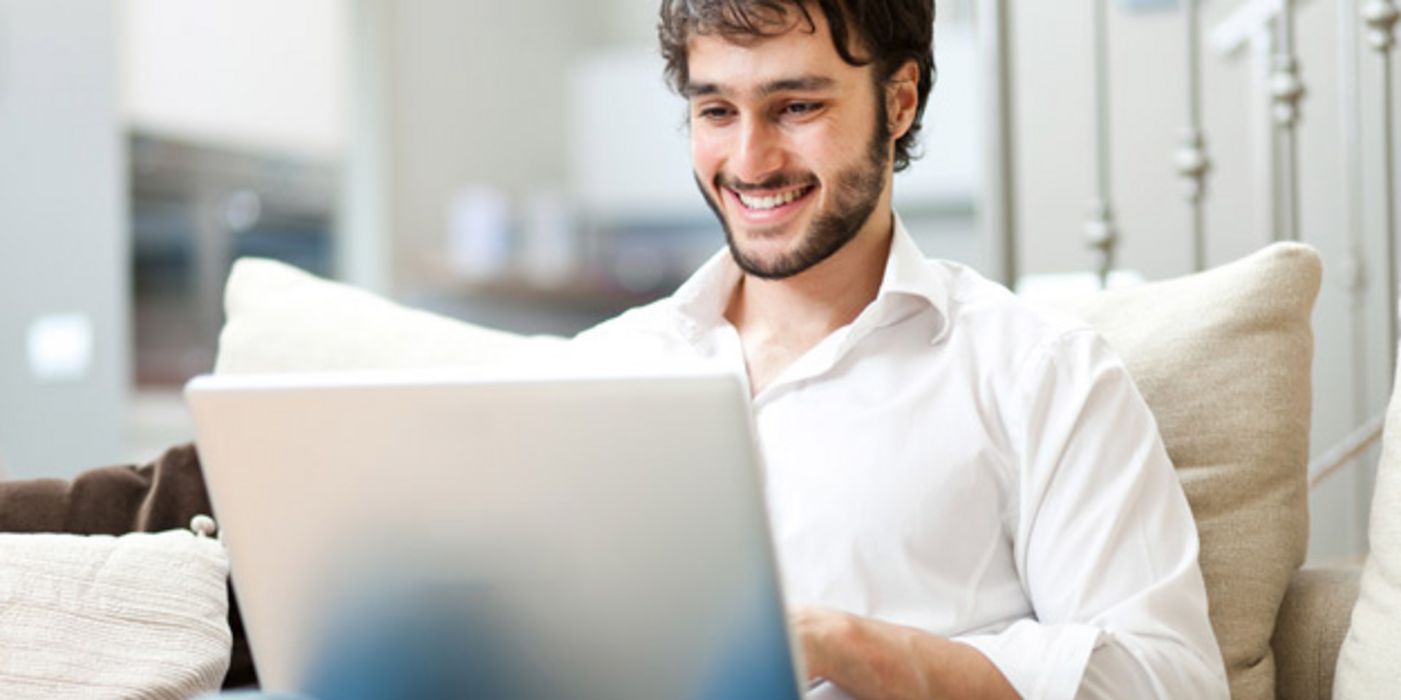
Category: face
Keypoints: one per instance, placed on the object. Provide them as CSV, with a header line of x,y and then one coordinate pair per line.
x,y
790,144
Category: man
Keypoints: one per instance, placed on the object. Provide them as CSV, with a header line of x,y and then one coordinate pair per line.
x,y
968,499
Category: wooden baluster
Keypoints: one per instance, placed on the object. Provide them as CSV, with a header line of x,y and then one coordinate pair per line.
x,y
1100,232
1286,91
1191,157
1381,16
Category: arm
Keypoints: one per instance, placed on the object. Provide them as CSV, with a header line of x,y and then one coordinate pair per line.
x,y
1105,544
1105,548
874,659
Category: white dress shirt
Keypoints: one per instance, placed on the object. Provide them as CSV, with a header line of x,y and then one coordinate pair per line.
x,y
956,462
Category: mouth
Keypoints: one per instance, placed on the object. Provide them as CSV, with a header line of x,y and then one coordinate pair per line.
x,y
769,206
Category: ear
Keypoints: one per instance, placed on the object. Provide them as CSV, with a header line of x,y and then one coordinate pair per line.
x,y
902,98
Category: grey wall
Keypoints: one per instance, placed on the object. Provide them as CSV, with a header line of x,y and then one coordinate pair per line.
x,y
63,242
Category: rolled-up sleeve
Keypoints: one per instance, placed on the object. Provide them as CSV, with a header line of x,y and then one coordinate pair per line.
x,y
1105,544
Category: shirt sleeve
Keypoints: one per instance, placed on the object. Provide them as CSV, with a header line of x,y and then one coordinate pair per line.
x,y
1104,543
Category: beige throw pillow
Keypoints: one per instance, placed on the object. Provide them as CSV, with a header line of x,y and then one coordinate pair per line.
x,y
1369,664
136,616
281,319
1224,359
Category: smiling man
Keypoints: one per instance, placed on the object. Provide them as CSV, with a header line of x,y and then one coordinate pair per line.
x,y
968,499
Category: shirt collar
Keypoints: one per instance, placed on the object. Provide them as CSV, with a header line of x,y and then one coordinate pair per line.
x,y
701,300
910,275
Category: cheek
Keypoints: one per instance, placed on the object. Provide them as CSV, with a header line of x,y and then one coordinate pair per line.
x,y
819,148
825,145
707,152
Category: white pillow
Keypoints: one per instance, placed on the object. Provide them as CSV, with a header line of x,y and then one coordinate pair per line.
x,y
140,615
1369,663
281,319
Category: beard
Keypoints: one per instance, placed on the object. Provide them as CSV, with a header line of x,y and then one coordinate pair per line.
x,y
854,193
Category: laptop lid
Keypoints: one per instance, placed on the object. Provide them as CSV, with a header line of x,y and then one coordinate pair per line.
x,y
586,537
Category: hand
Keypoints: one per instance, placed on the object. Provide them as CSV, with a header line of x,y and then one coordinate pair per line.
x,y
820,632
869,658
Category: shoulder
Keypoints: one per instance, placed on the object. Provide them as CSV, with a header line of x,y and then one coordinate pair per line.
x,y
987,318
656,318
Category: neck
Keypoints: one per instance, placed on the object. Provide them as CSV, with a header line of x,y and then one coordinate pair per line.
x,y
810,305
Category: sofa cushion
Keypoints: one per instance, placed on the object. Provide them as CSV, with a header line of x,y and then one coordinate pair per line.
x,y
1223,359
1309,632
140,615
1369,665
280,319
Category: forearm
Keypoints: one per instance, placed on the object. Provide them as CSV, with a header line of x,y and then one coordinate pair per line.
x,y
875,660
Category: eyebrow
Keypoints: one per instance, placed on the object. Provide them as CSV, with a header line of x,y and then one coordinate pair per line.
x,y
806,83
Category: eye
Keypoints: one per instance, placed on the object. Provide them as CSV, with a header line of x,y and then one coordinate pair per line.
x,y
713,113
802,109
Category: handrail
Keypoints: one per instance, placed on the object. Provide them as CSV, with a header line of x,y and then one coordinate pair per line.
x,y
1347,450
1241,27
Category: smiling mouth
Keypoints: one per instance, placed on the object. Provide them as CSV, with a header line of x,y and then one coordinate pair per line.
x,y
770,202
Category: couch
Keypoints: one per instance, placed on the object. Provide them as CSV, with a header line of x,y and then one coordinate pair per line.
x,y
1222,357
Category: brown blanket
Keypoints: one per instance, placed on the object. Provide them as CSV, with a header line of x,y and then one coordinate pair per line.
x,y
161,495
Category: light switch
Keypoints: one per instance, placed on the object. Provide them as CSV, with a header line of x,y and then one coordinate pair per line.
x,y
60,347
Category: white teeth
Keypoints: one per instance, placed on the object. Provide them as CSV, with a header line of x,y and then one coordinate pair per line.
x,y
769,202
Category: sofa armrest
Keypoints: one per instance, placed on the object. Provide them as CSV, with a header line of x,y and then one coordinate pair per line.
x,y
1312,622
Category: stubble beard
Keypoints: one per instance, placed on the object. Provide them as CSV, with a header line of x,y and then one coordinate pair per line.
x,y
854,195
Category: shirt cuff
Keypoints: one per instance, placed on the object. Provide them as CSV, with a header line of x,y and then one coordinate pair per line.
x,y
1042,662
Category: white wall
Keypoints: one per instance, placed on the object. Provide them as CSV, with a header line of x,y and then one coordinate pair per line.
x,y
265,74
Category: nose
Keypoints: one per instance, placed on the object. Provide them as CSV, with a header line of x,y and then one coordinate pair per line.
x,y
758,151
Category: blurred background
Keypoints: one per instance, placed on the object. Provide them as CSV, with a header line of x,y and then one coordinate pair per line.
x,y
522,165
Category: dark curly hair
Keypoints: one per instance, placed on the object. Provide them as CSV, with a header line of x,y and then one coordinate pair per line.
x,y
892,32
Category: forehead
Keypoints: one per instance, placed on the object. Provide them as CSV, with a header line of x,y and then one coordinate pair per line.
x,y
736,63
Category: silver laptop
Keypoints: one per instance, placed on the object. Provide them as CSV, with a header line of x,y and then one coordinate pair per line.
x,y
459,535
